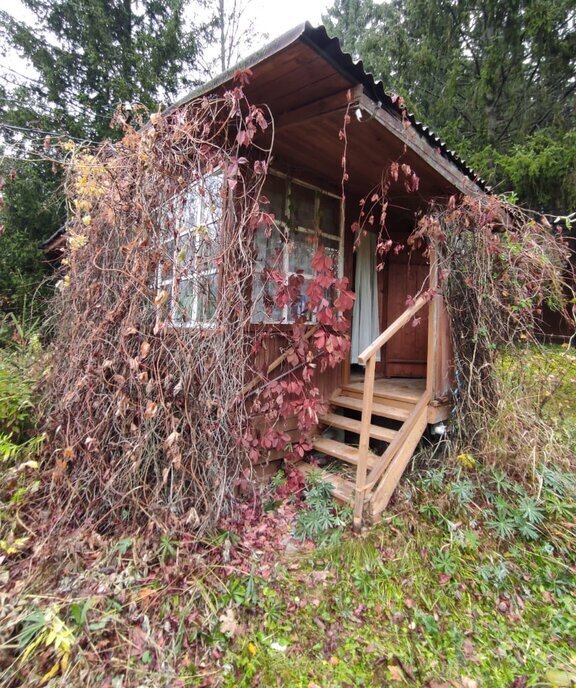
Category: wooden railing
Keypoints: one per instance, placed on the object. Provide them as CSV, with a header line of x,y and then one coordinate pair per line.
x,y
368,358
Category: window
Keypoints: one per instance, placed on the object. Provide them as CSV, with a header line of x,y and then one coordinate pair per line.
x,y
189,274
305,218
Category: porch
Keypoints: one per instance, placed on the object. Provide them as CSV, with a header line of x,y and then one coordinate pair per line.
x,y
374,424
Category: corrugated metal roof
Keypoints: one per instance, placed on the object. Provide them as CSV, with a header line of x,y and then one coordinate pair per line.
x,y
318,39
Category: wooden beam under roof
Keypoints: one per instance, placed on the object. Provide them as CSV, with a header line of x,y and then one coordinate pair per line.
x,y
412,139
349,97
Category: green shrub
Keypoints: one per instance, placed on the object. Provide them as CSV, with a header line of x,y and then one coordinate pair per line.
x,y
20,353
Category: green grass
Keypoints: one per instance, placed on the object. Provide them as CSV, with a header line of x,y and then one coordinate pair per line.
x,y
469,580
427,597
546,375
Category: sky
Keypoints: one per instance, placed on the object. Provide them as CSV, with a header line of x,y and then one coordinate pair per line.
x,y
277,16
271,18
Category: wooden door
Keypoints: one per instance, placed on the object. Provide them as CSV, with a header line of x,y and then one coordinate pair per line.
x,y
405,354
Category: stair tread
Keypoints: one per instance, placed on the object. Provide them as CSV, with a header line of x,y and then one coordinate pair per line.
x,y
342,489
342,451
378,409
352,425
388,391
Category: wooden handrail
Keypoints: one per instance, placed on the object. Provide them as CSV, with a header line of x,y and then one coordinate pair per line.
x,y
368,358
390,331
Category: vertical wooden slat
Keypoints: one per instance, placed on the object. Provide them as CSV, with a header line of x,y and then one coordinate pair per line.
x,y
363,447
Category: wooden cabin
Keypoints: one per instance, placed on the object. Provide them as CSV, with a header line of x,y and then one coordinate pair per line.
x,y
397,379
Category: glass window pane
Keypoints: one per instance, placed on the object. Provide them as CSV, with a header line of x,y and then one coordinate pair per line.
x,y
329,215
187,208
301,250
210,192
296,310
184,259
207,288
167,261
332,249
275,191
269,249
212,206
184,301
302,205
265,310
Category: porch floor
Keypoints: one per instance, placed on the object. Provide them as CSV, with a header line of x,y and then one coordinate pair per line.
x,y
409,389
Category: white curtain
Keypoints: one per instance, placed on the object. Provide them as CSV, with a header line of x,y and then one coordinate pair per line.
x,y
365,320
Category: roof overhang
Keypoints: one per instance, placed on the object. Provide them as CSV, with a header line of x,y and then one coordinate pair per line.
x,y
373,98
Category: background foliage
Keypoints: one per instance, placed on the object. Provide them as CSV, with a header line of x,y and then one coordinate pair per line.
x,y
83,60
487,75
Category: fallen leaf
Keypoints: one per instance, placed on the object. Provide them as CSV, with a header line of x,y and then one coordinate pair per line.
x,y
395,673
228,623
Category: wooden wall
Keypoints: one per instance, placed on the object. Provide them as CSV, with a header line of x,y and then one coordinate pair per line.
x,y
274,344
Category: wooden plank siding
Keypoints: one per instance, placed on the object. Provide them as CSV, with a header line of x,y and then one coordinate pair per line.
x,y
274,345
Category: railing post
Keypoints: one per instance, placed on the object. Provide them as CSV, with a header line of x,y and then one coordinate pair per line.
x,y
367,402
431,362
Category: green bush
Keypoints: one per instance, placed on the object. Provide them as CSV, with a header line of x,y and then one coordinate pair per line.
x,y
20,352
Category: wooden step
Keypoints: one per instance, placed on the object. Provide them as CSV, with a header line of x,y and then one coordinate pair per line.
x,y
341,451
342,489
351,425
381,398
378,409
392,388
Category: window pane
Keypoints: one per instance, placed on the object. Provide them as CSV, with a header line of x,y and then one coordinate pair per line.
x,y
301,251
302,203
269,249
298,309
183,301
188,209
329,215
184,259
332,249
167,262
210,192
207,289
265,310
275,191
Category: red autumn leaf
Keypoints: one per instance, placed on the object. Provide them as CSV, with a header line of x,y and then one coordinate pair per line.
x,y
243,76
321,262
345,300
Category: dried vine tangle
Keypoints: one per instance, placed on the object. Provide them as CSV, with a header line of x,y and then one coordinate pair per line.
x,y
147,421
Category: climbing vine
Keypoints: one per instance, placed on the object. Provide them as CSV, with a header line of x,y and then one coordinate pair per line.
x,y
499,268
148,417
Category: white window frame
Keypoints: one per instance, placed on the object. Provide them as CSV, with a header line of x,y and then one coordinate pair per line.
x,y
287,230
